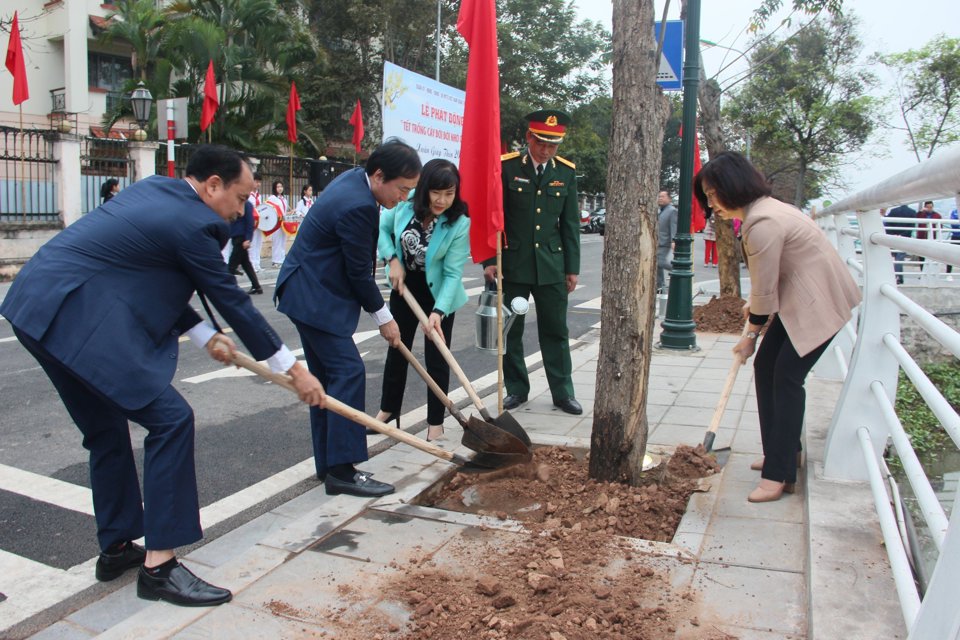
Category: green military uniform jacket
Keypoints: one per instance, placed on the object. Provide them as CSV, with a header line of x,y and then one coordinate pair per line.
x,y
541,219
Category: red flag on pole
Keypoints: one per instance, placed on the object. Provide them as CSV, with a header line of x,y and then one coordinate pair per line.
x,y
481,187
15,63
210,101
697,218
357,121
292,107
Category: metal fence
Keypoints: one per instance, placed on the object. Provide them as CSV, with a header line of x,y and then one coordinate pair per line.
x,y
28,186
271,169
102,159
865,419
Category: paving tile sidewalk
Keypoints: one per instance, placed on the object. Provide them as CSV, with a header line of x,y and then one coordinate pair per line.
x,y
760,571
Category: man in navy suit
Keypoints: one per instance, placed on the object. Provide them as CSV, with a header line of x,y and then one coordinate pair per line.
x,y
324,282
241,234
102,307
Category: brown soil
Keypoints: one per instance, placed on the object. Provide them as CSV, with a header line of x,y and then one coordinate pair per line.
x,y
720,315
575,575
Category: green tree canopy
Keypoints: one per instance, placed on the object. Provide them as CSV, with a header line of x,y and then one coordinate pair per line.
x,y
808,98
928,93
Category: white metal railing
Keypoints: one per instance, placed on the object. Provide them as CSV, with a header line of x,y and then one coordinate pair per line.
x,y
865,418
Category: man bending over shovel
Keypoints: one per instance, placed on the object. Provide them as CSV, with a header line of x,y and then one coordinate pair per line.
x,y
101,307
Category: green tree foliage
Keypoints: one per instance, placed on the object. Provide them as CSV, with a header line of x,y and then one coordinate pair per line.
x,y
587,143
928,94
807,99
257,48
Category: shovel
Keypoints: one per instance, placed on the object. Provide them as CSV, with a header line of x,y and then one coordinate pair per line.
x,y
488,462
478,435
504,421
711,434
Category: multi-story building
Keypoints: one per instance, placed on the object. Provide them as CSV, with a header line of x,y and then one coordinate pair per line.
x,y
72,77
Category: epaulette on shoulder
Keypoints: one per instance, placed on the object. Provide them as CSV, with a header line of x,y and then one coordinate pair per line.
x,y
510,156
566,162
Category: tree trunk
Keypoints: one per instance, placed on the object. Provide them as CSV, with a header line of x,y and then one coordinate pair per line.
x,y
729,262
640,112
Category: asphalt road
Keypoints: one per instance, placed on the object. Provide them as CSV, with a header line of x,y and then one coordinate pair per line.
x,y
247,430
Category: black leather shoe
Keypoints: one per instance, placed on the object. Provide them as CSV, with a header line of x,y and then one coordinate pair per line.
x,y
112,565
254,290
568,405
181,587
361,485
513,401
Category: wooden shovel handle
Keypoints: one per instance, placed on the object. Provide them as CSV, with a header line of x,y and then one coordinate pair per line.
x,y
727,388
434,387
445,351
282,379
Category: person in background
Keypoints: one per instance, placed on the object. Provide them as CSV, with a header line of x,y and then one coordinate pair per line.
x,y
323,284
241,232
108,189
710,255
666,232
955,235
104,321
305,201
256,243
800,284
899,228
541,258
278,239
424,242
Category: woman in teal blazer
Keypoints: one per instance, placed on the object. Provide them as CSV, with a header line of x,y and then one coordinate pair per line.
x,y
424,242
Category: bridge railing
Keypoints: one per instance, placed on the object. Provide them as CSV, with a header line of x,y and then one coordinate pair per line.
x,y
865,419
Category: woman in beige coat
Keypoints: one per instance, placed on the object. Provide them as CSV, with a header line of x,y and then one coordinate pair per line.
x,y
797,278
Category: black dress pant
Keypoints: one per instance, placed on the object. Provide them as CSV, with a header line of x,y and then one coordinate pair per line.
x,y
779,373
395,369
241,257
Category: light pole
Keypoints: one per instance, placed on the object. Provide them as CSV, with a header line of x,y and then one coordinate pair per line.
x,y
141,100
678,325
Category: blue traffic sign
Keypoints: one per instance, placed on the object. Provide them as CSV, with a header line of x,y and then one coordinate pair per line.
x,y
670,73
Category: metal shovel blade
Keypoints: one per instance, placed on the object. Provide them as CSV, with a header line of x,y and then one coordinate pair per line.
x,y
484,437
509,424
487,462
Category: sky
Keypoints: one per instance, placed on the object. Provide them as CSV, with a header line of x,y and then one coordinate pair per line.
x,y
885,26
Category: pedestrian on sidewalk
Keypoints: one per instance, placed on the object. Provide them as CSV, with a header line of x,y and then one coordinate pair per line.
x,y
325,281
541,257
104,320
424,242
241,233
797,277
710,255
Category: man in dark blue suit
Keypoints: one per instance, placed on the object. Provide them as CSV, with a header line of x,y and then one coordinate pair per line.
x,y
241,234
102,307
324,282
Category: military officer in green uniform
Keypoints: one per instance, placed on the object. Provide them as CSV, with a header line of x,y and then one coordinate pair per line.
x,y
541,255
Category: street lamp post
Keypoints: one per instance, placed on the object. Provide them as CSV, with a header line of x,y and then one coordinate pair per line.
x,y
141,100
678,326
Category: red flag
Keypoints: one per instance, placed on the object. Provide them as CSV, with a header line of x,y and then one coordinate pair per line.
x,y
697,218
357,121
292,107
15,63
481,187
210,101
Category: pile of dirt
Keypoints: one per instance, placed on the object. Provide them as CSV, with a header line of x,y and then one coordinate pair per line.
x,y
576,575
720,315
